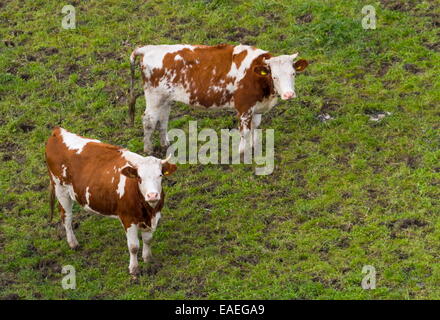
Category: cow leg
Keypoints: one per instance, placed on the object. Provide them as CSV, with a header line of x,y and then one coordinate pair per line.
x,y
146,250
66,204
256,120
163,124
133,247
245,131
146,239
151,116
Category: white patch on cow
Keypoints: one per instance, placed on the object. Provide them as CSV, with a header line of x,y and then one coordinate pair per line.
x,y
67,189
72,193
230,88
155,220
178,57
113,179
131,157
64,196
87,195
75,142
266,105
64,168
121,185
283,73
146,250
87,208
252,53
180,94
149,170
153,55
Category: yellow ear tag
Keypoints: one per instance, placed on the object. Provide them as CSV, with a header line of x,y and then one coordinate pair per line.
x,y
263,73
166,173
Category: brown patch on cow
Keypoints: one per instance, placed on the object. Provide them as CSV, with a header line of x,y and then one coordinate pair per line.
x,y
204,73
238,58
253,88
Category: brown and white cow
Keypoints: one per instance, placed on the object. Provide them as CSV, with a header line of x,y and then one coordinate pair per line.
x,y
108,180
240,77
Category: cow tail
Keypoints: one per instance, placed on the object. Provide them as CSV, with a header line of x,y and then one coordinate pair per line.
x,y
52,200
133,96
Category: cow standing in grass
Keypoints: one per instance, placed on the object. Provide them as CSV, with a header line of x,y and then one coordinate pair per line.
x,y
241,77
108,180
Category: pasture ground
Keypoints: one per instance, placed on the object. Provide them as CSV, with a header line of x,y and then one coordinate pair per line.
x,y
345,193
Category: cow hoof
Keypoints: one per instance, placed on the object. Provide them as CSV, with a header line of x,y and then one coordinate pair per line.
x,y
134,271
74,245
148,149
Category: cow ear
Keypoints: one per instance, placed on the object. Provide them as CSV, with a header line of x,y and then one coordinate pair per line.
x,y
300,65
262,71
130,172
168,168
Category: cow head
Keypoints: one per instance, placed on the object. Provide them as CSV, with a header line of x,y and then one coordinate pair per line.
x,y
149,174
282,70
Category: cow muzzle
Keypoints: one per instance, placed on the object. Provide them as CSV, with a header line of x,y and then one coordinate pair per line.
x,y
152,197
288,95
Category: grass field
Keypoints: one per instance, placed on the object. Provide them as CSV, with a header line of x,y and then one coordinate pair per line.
x,y
345,193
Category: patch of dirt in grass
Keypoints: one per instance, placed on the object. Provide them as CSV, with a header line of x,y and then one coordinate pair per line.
x,y
403,224
8,146
26,127
31,250
328,283
8,206
109,55
410,67
305,18
240,34
47,267
197,289
252,259
48,51
433,46
153,267
11,296
397,5
329,105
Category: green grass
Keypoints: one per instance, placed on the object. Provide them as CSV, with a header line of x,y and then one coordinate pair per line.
x,y
345,193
